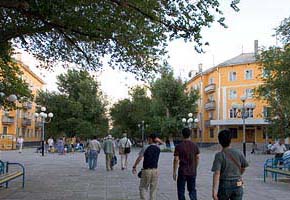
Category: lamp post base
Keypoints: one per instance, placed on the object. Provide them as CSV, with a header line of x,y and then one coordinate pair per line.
x,y
42,147
244,148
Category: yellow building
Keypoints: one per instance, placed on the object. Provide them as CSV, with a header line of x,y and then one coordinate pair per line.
x,y
219,107
21,122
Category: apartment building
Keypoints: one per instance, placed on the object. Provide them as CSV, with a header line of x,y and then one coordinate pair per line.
x,y
21,122
220,106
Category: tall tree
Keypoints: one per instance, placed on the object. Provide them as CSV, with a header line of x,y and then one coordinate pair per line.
x,y
171,103
275,62
79,108
132,33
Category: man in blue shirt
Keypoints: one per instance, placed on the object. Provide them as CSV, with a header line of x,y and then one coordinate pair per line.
x,y
149,176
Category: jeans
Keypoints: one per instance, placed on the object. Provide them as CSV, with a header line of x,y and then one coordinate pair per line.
x,y
190,180
228,190
93,156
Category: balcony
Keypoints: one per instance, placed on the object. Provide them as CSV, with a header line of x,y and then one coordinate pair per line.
x,y
27,105
7,120
26,122
210,105
207,123
38,124
209,88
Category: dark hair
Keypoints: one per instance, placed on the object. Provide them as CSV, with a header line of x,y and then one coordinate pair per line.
x,y
186,132
225,138
94,137
153,136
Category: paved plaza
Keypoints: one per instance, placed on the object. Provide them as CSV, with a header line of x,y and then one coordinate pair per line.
x,y
61,177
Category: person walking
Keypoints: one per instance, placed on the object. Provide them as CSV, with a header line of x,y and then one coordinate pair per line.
x,y
254,148
186,155
149,178
124,150
50,144
279,148
109,151
227,168
20,141
94,149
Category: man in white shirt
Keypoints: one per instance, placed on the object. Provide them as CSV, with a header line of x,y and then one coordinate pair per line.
x,y
20,141
279,148
50,143
124,149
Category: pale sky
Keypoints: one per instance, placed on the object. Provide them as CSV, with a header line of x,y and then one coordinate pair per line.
x,y
256,20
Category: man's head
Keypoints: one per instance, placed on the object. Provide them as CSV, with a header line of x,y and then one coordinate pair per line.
x,y
186,133
151,138
94,137
225,138
124,134
281,141
109,137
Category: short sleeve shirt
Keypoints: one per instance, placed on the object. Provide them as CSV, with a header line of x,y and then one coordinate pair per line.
x,y
150,154
228,168
187,152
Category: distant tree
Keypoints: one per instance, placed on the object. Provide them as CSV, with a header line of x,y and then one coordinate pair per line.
x,y
11,82
170,103
79,108
275,63
132,33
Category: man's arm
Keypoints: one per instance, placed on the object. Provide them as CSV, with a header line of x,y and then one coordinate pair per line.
x,y
175,165
138,160
215,184
197,160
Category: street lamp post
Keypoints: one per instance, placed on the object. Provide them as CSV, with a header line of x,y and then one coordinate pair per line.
x,y
190,121
141,125
45,118
244,115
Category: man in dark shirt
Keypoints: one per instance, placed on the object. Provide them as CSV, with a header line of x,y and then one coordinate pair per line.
x,y
149,175
187,156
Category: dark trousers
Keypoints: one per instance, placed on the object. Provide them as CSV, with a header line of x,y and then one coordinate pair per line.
x,y
228,190
190,180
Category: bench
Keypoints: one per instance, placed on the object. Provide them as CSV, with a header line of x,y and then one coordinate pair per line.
x,y
6,176
271,165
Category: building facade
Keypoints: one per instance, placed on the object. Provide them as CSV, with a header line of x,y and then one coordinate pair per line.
x,y
21,122
220,106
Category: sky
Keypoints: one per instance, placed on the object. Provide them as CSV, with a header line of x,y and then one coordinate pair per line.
x,y
256,20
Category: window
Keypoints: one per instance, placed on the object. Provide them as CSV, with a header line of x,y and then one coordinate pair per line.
x,y
250,112
211,133
234,132
265,73
249,74
195,133
233,94
266,111
249,93
211,115
233,113
211,81
233,76
5,130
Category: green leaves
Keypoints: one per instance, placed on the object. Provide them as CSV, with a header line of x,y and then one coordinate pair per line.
x,y
275,63
161,111
133,34
79,108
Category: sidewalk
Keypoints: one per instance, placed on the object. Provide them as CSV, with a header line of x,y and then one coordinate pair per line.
x,y
61,177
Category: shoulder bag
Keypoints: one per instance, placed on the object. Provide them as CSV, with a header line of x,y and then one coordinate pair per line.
x,y
127,149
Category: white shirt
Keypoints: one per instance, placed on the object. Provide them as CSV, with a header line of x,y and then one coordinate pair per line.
x,y
20,140
50,142
278,148
125,142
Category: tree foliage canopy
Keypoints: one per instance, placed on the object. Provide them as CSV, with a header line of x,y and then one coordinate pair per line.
x,y
79,108
133,33
275,62
161,112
